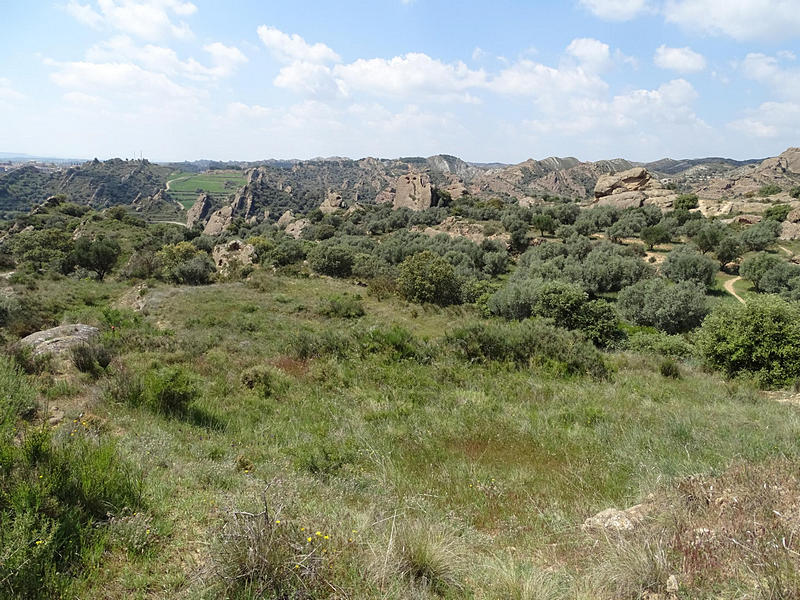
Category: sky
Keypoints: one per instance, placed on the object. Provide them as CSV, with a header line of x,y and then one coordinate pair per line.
x,y
499,81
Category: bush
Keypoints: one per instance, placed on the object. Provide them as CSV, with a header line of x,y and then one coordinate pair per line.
x,y
769,273
760,236
686,202
170,390
777,212
98,255
769,190
533,341
260,378
672,308
759,339
54,497
683,264
344,306
427,277
264,555
669,368
195,271
91,357
333,260
660,343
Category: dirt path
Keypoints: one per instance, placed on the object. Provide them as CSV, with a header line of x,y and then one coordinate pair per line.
x,y
172,223
731,290
789,252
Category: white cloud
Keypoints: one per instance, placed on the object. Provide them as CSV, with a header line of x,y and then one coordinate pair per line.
x,y
308,78
683,60
529,78
289,48
224,59
739,19
785,82
771,120
148,19
592,54
128,80
615,10
411,75
8,93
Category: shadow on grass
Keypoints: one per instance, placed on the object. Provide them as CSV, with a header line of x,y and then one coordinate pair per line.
x,y
200,417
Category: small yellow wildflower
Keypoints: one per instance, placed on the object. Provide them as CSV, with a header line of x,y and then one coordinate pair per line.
x,y
319,533
326,537
308,539
278,522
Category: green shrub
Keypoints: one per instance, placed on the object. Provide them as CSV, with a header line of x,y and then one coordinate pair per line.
x,y
760,339
342,306
777,212
684,264
333,260
428,278
260,378
54,497
795,192
396,342
328,342
686,202
125,386
533,341
660,343
90,357
170,390
769,190
673,308
669,368
760,236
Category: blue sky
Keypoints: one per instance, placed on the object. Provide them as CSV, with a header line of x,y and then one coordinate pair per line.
x,y
486,81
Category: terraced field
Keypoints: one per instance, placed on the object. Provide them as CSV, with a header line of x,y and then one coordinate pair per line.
x,y
185,187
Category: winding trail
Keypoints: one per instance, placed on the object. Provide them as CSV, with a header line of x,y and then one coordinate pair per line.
x,y
728,285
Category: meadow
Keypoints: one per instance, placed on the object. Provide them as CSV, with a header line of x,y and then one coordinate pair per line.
x,y
185,187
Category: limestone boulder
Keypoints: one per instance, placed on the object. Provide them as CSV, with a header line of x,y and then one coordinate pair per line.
x,y
218,221
58,341
618,521
632,188
285,219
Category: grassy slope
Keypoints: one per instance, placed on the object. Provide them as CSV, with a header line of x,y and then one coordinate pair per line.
x,y
509,461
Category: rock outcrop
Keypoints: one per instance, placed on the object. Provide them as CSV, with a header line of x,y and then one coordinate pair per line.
x,y
58,341
295,229
333,202
782,170
413,191
632,188
235,252
618,521
285,219
200,211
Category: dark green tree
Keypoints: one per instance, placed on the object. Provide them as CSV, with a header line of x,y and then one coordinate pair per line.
x,y
98,255
427,277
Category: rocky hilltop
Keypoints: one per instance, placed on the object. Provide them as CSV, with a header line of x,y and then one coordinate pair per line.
x,y
782,171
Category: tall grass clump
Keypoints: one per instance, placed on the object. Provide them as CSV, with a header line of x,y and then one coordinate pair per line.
x,y
54,497
532,341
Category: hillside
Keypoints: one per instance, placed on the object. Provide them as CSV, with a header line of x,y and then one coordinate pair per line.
x,y
454,402
95,183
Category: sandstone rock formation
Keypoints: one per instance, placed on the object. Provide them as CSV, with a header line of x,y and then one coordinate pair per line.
x,y
58,341
200,211
631,189
285,219
413,191
219,220
295,229
782,170
332,203
234,252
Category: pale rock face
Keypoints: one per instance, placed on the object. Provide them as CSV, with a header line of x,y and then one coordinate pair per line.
x,y
789,231
456,227
333,202
235,251
199,212
218,221
296,229
413,191
631,189
783,171
285,219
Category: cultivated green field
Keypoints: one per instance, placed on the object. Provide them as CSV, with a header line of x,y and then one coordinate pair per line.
x,y
185,187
